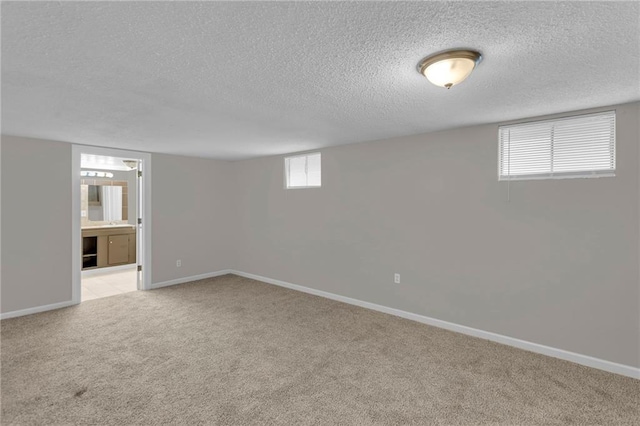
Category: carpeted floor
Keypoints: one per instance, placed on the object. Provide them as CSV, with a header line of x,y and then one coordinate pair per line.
x,y
230,350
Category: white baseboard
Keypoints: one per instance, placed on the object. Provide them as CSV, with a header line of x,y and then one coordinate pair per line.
x,y
53,306
586,360
191,278
37,309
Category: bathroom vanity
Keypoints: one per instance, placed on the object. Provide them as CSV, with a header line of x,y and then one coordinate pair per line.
x,y
108,245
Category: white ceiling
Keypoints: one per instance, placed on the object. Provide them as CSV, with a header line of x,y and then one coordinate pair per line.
x,y
239,80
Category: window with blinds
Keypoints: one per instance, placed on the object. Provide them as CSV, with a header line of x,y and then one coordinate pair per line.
x,y
303,171
579,146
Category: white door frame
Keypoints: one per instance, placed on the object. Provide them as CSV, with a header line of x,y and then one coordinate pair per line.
x,y
76,234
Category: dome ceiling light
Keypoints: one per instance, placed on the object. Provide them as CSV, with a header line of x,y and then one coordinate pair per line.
x,y
447,69
131,164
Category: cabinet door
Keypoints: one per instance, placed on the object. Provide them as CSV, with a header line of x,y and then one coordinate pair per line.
x,y
118,249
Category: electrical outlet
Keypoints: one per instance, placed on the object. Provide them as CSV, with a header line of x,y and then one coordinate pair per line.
x,y
396,278
83,213
178,263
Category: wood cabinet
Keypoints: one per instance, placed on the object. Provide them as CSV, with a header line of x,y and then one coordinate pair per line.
x,y
108,246
118,249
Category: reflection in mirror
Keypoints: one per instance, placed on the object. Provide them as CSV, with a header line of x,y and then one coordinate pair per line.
x,y
105,203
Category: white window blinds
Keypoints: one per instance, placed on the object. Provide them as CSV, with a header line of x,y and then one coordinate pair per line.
x,y
580,146
303,171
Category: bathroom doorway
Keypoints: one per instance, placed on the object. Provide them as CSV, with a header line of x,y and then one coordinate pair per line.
x,y
111,213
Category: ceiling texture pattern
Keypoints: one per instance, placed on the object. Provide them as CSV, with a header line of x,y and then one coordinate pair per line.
x,y
239,80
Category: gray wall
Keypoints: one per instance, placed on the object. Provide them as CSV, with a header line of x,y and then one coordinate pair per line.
x,y
191,216
557,265
36,223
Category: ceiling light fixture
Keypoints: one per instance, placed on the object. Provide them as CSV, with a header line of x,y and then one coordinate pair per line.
x,y
447,69
131,164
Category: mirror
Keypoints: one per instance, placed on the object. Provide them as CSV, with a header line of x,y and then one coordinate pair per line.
x,y
106,203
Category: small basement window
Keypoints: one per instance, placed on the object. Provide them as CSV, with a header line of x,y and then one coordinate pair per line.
x,y
579,146
303,171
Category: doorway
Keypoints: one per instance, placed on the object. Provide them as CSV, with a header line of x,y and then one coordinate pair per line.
x,y
111,213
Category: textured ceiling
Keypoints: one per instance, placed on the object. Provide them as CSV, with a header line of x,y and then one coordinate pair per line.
x,y
239,80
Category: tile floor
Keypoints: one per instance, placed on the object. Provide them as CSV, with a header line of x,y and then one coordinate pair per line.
x,y
108,284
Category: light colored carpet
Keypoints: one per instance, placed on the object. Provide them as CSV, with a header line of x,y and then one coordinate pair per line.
x,y
229,350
